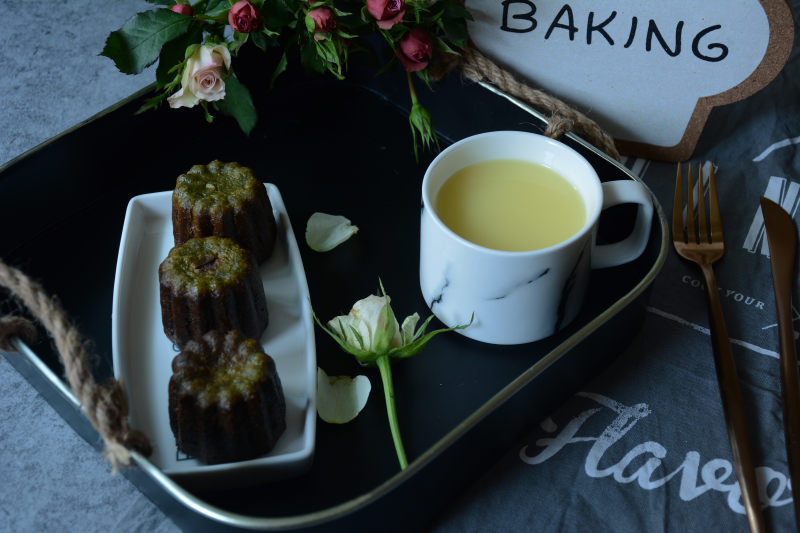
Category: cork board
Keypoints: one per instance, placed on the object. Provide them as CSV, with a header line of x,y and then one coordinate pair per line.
x,y
647,71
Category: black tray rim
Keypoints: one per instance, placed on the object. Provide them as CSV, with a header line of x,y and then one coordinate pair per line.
x,y
315,518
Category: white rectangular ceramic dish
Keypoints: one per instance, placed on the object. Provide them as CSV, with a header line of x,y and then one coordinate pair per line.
x,y
143,354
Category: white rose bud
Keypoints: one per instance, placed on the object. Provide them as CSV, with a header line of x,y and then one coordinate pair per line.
x,y
370,331
370,326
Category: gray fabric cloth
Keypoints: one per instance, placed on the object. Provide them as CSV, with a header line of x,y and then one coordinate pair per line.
x,y
642,448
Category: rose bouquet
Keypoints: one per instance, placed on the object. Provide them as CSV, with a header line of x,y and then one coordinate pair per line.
x,y
196,46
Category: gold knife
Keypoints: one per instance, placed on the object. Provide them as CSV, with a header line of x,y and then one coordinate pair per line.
x,y
782,239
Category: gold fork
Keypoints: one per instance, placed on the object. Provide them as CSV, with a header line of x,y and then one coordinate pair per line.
x,y
703,244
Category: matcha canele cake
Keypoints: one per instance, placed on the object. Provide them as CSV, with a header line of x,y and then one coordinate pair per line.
x,y
226,401
211,283
226,200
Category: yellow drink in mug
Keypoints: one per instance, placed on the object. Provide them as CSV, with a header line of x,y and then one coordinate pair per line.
x,y
507,234
510,205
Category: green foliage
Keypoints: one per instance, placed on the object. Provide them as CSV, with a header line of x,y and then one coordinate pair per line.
x,y
171,38
174,52
138,43
238,104
214,8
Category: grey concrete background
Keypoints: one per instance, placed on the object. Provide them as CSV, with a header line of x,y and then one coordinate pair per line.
x,y
51,79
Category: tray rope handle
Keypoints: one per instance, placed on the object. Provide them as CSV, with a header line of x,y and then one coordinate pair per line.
x,y
563,118
106,406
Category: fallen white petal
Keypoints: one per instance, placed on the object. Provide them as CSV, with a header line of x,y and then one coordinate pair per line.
x,y
341,398
325,232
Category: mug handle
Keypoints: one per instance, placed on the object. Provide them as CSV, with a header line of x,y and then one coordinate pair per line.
x,y
628,249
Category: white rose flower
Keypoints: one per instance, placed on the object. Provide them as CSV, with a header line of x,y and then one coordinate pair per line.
x,y
203,76
371,333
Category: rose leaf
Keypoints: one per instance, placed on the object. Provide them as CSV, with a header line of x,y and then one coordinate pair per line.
x,y
279,69
174,52
217,7
238,104
138,43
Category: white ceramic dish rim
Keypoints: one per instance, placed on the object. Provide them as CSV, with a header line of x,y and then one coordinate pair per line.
x,y
290,457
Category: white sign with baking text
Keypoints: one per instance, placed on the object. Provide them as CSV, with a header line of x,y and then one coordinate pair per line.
x,y
648,71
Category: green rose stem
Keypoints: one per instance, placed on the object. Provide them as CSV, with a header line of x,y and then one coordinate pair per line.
x,y
371,333
385,367
412,90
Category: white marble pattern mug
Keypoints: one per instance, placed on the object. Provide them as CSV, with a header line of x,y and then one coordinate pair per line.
x,y
516,297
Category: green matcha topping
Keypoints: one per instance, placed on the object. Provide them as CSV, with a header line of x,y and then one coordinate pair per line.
x,y
231,378
206,264
215,186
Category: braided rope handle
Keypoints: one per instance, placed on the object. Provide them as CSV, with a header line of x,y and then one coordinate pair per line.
x,y
477,67
105,406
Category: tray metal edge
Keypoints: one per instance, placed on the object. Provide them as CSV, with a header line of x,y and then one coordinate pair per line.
x,y
318,517
325,515
78,125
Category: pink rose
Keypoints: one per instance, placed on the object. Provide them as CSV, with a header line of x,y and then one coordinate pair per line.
x,y
203,76
323,20
387,12
183,9
244,17
416,49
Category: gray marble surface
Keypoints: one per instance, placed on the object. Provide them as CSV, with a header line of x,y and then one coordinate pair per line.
x,y
52,79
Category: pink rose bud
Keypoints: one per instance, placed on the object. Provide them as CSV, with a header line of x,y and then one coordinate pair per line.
x,y
244,17
183,9
387,12
416,49
323,19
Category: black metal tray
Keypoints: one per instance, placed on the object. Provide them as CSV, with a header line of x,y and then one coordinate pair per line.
x,y
343,148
